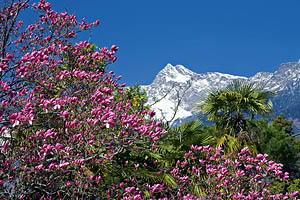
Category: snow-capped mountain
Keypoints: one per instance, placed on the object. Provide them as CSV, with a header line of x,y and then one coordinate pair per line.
x,y
177,81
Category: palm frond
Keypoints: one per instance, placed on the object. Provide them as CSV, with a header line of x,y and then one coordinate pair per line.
x,y
238,98
229,144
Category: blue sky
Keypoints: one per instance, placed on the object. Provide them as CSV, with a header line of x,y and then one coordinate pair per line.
x,y
233,36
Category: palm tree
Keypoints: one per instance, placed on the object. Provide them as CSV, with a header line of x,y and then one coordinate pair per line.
x,y
229,108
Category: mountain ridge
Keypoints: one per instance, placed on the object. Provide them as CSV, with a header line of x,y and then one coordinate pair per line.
x,y
179,81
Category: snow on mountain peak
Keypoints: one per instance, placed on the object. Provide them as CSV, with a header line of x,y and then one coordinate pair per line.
x,y
222,75
261,77
176,80
169,68
177,74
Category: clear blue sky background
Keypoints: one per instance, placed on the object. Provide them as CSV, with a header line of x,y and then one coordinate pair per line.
x,y
239,37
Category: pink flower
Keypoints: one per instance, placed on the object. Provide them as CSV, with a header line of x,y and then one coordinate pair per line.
x,y
39,167
1,183
5,145
68,184
98,178
58,146
114,48
151,113
97,23
64,114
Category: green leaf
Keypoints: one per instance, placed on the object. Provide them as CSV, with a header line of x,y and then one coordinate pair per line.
x,y
170,180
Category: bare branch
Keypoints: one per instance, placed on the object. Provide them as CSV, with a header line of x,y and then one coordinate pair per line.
x,y
179,98
168,92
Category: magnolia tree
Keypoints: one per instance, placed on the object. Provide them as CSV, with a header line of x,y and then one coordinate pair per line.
x,y
68,129
64,119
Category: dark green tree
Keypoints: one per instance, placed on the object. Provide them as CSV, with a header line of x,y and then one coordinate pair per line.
x,y
282,122
275,141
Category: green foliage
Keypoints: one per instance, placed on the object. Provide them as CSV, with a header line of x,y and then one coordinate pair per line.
x,y
294,185
190,133
228,107
127,161
283,187
178,141
284,123
278,187
138,96
279,145
229,143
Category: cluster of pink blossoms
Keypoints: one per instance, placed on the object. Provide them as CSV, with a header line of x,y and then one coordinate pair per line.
x,y
206,173
62,115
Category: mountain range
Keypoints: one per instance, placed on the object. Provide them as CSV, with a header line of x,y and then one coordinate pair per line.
x,y
175,83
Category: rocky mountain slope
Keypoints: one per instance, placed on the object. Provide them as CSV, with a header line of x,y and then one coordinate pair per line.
x,y
177,81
